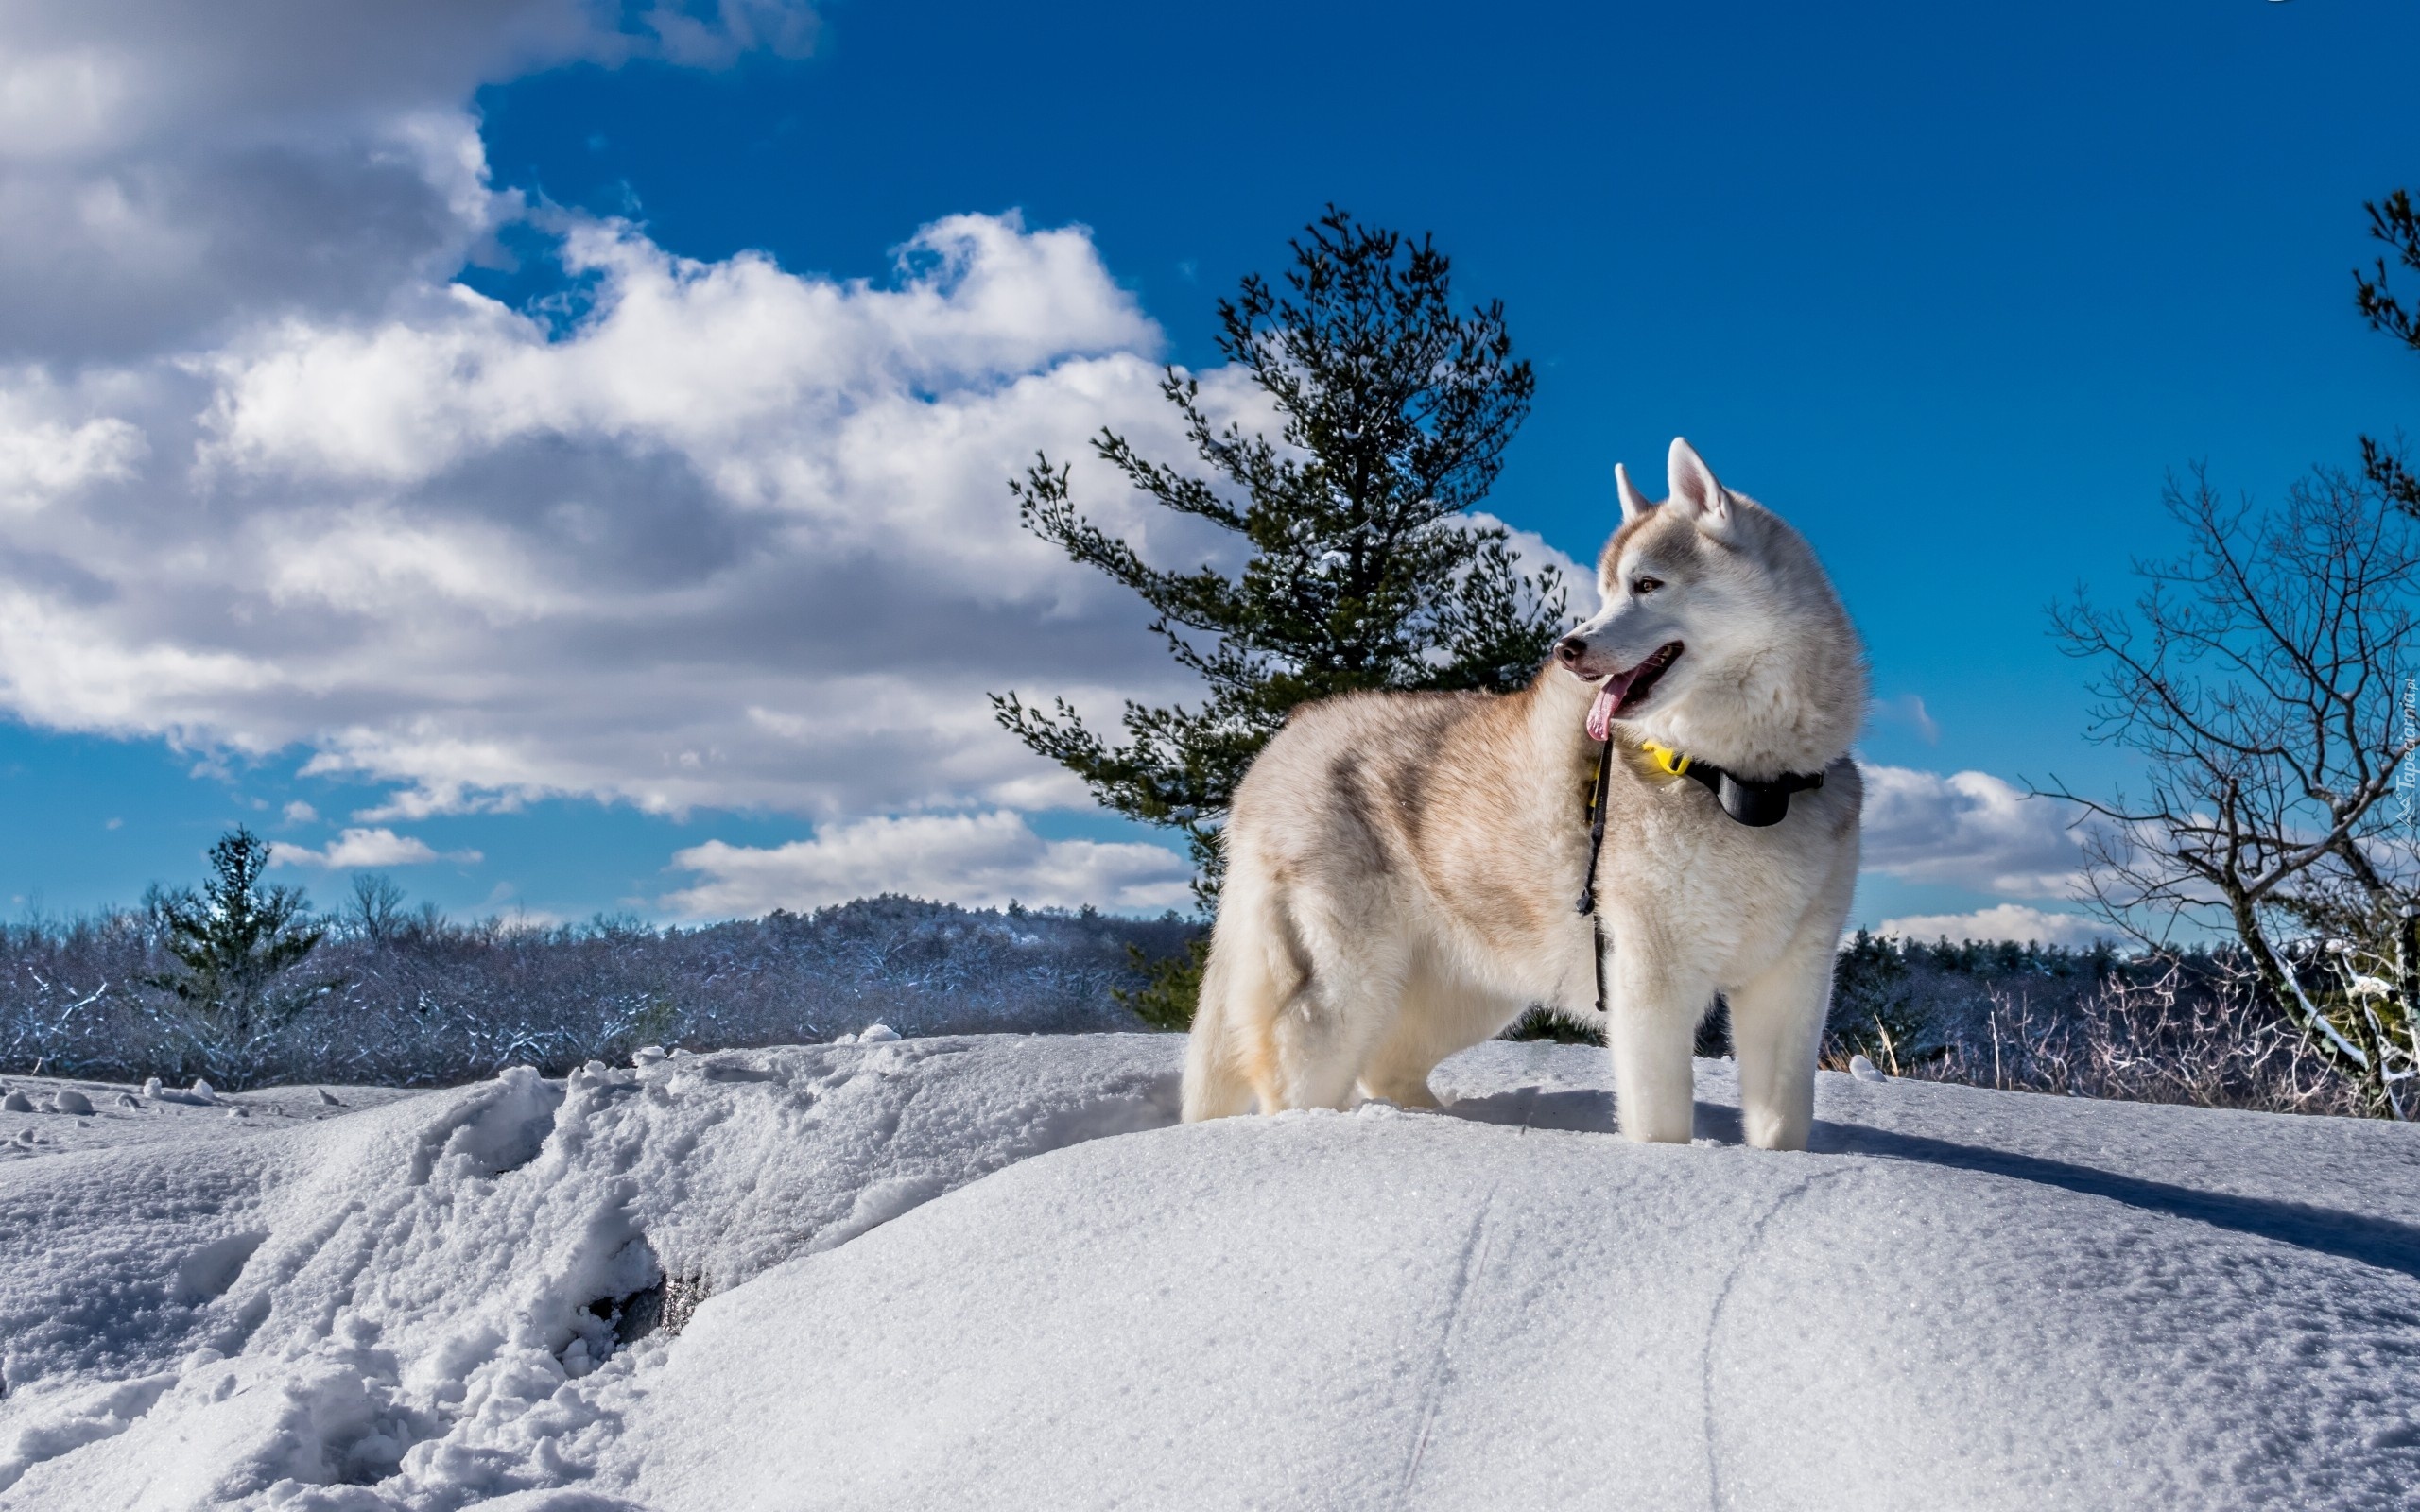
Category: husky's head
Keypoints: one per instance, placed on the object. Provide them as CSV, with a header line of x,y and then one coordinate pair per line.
x,y
1721,635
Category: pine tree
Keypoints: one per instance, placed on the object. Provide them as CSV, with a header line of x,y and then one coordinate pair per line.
x,y
2395,222
1363,567
234,939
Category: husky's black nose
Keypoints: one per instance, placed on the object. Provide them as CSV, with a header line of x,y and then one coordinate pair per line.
x,y
1570,650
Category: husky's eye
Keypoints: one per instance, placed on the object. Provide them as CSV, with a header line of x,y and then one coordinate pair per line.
x,y
1644,585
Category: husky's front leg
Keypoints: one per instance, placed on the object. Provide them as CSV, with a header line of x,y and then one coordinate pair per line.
x,y
1776,1029
1652,1031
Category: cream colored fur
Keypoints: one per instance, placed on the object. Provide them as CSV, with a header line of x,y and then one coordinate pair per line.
x,y
1402,868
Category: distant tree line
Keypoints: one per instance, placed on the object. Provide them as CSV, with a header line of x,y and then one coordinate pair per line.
x,y
239,982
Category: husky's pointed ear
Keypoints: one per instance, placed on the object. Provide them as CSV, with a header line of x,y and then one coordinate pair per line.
x,y
1694,489
1635,506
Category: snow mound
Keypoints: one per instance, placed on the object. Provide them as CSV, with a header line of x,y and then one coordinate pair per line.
x,y
426,1296
915,1273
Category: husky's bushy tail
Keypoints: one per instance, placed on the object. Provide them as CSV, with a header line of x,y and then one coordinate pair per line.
x,y
1230,1058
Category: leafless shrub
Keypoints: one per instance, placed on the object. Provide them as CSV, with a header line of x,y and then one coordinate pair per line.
x,y
2176,1028
2205,1043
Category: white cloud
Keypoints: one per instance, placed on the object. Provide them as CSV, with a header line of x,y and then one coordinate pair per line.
x,y
976,859
2011,921
739,538
41,460
173,170
1909,710
1969,830
356,849
298,812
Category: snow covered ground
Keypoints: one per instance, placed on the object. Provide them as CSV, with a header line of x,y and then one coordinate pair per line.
x,y
931,1279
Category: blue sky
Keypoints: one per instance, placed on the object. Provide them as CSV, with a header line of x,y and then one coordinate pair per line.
x,y
1951,287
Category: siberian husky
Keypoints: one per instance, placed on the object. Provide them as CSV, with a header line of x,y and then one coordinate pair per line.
x,y
1403,870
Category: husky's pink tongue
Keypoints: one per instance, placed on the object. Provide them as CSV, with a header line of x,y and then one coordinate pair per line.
x,y
1601,714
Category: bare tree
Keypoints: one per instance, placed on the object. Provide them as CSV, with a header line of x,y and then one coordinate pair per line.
x,y
376,912
2256,679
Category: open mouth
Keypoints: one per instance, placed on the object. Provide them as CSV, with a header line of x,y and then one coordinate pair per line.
x,y
1621,693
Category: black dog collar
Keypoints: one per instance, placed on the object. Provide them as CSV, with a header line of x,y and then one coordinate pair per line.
x,y
1753,804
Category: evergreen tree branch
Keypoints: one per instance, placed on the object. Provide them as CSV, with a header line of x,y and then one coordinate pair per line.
x,y
1361,568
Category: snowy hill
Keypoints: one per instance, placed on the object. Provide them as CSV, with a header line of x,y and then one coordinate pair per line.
x,y
930,1280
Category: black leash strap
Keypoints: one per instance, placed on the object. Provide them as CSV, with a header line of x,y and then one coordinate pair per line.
x,y
1758,806
1596,849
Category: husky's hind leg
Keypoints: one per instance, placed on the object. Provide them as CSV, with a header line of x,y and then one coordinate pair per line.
x,y
1293,1000
1323,1043
1439,1015
1398,1069
1344,1004
1776,1028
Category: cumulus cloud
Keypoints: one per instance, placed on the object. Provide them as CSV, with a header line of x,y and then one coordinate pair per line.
x,y
42,459
2011,921
169,171
739,537
1969,830
977,859
356,849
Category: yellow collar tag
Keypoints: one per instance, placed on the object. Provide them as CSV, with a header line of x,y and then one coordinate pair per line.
x,y
1666,760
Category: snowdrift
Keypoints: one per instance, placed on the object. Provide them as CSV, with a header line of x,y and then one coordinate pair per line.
x,y
923,1273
